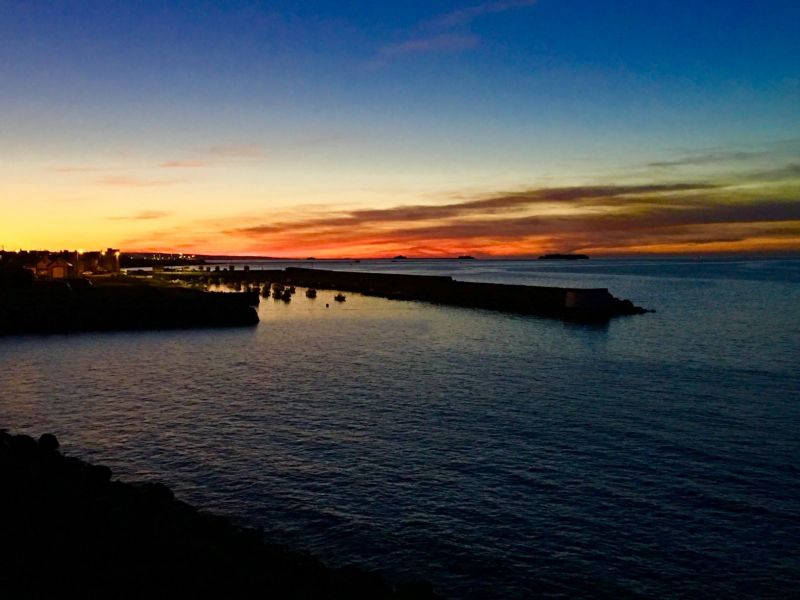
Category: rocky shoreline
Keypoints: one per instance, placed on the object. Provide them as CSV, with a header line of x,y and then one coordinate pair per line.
x,y
68,528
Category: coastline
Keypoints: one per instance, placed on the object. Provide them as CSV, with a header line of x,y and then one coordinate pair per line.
x,y
118,304
68,526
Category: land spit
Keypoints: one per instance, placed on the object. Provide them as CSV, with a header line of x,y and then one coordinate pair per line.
x,y
118,303
595,304
69,530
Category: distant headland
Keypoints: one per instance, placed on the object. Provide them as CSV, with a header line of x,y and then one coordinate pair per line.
x,y
564,257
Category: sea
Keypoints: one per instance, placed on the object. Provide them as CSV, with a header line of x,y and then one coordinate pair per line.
x,y
494,455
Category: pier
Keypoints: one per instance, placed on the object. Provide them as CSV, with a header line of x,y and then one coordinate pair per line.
x,y
582,304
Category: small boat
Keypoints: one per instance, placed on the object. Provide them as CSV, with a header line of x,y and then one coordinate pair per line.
x,y
339,297
311,293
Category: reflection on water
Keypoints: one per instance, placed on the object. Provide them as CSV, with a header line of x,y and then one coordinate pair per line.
x,y
496,455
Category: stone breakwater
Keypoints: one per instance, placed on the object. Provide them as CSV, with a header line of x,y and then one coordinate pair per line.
x,y
67,528
566,303
68,306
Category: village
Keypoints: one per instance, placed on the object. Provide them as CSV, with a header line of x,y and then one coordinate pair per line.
x,y
65,264
76,291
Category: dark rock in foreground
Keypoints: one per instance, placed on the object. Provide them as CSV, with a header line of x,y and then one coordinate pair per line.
x,y
68,530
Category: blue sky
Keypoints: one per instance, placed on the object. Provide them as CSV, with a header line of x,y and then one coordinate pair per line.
x,y
268,109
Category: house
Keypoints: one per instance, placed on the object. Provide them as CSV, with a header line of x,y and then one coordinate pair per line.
x,y
53,268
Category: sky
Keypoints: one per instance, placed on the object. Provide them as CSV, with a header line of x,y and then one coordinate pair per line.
x,y
330,129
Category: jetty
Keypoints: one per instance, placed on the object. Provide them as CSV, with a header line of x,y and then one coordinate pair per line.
x,y
580,304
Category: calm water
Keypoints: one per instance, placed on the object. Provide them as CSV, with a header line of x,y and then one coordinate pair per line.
x,y
495,455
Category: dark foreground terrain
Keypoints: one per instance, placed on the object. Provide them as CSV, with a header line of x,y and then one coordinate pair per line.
x,y
68,530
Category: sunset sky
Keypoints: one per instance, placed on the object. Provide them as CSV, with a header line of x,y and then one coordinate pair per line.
x,y
502,128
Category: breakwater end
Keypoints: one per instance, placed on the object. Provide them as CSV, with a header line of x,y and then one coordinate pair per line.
x,y
68,529
580,304
118,304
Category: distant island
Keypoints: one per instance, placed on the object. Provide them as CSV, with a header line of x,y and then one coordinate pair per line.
x,y
466,257
400,257
563,257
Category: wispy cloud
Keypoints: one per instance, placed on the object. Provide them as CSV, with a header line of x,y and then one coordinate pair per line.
x,y
145,215
212,155
465,16
448,32
777,174
135,182
446,42
751,202
580,217
68,169
578,197
238,151
705,159
183,164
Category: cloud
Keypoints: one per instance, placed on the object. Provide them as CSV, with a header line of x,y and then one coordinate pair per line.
x,y
183,164
656,218
448,42
208,157
582,217
705,159
448,32
577,196
465,16
741,211
145,215
238,151
76,169
790,171
127,181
